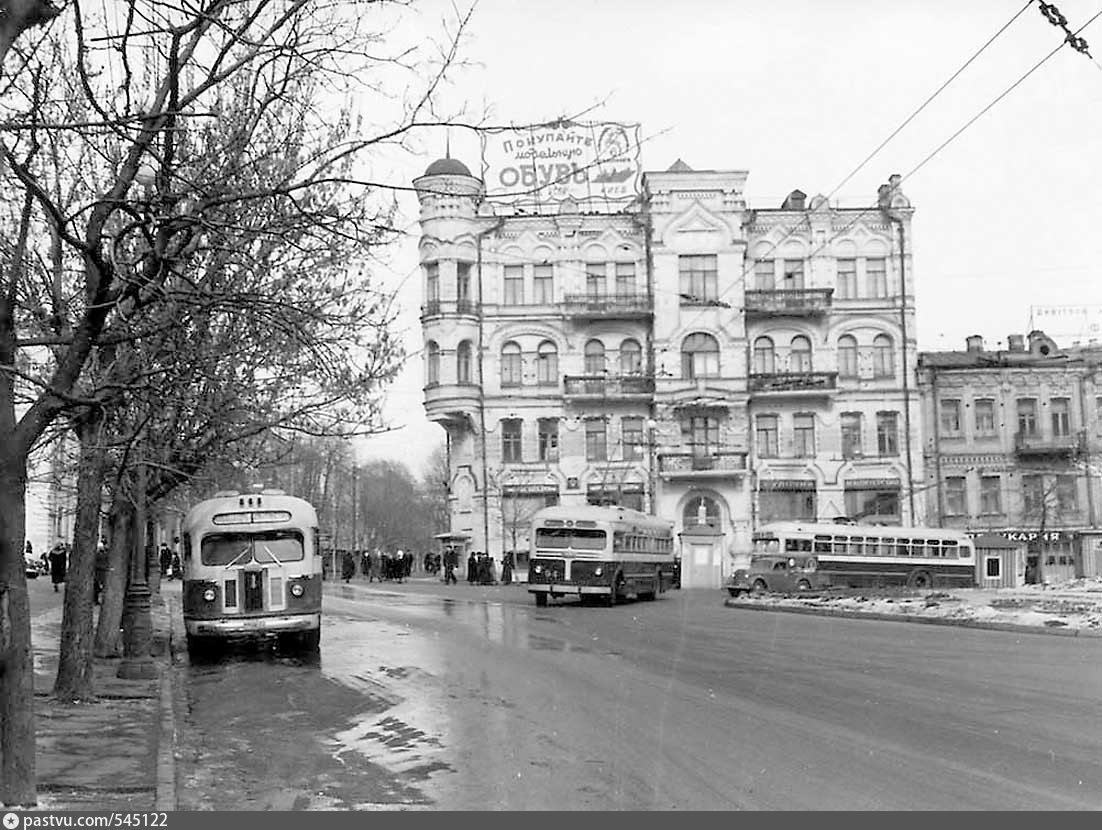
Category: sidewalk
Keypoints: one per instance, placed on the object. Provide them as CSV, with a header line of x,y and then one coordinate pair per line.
x,y
112,754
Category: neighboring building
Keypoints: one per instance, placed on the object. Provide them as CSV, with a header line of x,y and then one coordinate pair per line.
x,y
717,365
1014,445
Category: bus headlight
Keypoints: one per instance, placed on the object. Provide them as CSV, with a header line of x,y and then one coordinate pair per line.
x,y
209,595
297,590
598,571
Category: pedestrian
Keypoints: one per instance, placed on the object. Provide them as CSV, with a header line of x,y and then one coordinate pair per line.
x,y
451,559
348,565
369,565
472,568
99,579
165,556
177,571
507,568
58,563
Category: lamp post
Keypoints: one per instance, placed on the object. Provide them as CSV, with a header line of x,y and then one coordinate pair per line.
x,y
137,660
652,472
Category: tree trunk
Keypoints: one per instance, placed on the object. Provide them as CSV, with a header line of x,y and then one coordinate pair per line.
x,y
74,670
109,626
17,747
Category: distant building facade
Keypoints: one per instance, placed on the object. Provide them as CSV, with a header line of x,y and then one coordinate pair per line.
x,y
684,354
1013,445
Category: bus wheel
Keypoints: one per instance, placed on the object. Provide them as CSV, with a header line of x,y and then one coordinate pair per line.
x,y
921,580
310,640
198,647
541,600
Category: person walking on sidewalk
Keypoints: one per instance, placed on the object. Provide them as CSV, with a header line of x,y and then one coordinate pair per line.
x,y
507,568
59,560
451,559
472,568
99,579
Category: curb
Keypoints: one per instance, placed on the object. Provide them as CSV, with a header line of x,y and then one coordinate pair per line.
x,y
165,796
904,618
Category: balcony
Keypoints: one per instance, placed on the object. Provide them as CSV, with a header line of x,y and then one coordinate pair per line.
x,y
442,308
445,402
593,387
1050,446
701,465
794,384
607,306
790,302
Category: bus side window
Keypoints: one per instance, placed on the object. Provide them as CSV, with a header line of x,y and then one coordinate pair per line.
x,y
856,545
933,547
841,544
902,547
918,547
822,544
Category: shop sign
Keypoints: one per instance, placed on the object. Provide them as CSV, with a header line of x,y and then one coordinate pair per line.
x,y
873,484
593,163
785,484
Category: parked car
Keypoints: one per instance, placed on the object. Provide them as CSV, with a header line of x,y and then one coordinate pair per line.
x,y
784,574
33,566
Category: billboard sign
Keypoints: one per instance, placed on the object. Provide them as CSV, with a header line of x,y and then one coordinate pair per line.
x,y
595,164
1068,323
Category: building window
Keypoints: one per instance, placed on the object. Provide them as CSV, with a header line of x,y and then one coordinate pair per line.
x,y
631,357
1027,416
799,355
700,434
543,284
950,416
1061,416
991,501
985,416
595,357
846,288
764,358
851,435
511,364
766,436
547,364
510,440
463,284
1067,495
992,567
699,280
883,357
956,496
764,275
793,274
847,356
595,280
514,285
596,442
463,362
887,433
625,278
432,363
876,277
787,505
803,431
699,356
549,439
1033,495
701,512
631,435
881,505
432,282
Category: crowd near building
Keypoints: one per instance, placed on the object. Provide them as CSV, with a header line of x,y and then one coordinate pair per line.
x,y
596,334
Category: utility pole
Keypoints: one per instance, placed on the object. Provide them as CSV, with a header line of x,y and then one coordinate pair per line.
x,y
137,660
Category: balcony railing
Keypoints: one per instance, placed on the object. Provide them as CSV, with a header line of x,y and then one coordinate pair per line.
x,y
1050,445
607,306
437,308
713,464
789,302
792,382
607,386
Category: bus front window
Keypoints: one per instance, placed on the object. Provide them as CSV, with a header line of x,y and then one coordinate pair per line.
x,y
766,544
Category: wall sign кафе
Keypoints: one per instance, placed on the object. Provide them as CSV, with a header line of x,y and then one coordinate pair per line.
x,y
595,164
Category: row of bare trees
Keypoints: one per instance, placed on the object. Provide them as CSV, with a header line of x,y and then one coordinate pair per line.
x,y
186,242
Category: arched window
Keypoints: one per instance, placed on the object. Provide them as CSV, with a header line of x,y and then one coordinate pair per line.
x,y
847,356
547,364
764,360
631,357
594,357
463,362
883,356
432,363
699,356
511,364
701,512
799,355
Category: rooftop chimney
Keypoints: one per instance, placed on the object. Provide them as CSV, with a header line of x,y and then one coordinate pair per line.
x,y
1015,342
794,201
974,343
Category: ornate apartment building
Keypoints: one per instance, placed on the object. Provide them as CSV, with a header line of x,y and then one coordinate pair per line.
x,y
1013,444
718,365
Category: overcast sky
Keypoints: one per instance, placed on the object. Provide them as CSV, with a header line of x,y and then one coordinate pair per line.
x,y
799,93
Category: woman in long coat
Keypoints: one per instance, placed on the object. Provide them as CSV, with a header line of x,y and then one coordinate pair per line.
x,y
58,563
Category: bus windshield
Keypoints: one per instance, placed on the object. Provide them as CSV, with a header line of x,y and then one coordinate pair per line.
x,y
766,544
570,537
273,546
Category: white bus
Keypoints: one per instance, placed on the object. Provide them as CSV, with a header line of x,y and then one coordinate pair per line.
x,y
606,552
876,555
252,567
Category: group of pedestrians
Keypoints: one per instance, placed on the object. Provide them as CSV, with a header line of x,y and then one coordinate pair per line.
x,y
481,569
376,564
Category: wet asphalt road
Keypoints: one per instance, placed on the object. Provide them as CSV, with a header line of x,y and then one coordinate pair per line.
x,y
426,697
